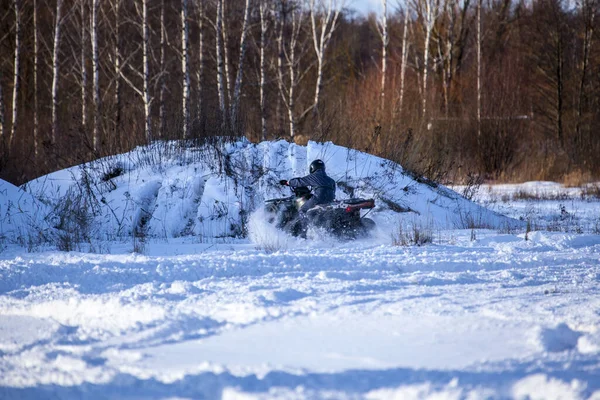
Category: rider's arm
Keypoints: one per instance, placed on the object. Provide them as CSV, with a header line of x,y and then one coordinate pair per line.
x,y
308,180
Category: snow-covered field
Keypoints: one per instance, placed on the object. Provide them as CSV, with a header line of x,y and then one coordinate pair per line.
x,y
476,313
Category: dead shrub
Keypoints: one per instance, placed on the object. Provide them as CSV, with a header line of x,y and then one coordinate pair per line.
x,y
416,234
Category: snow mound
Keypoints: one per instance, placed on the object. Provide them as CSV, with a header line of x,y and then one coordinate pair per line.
x,y
557,339
541,386
589,343
168,190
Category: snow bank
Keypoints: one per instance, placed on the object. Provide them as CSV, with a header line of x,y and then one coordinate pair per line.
x,y
164,190
22,217
557,339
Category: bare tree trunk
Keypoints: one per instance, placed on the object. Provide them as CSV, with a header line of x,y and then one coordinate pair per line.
x,y
549,34
296,27
225,36
185,69
235,103
430,16
589,13
200,71
96,78
444,45
83,69
425,71
447,41
55,71
117,67
16,75
144,74
36,118
383,33
146,57
321,41
441,57
163,72
479,69
404,61
220,78
280,66
2,108
559,89
263,39
287,90
291,94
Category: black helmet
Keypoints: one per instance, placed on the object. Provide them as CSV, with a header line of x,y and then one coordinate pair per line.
x,y
316,165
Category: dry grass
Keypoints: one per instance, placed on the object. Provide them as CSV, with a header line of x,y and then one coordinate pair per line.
x,y
523,195
416,234
590,191
576,178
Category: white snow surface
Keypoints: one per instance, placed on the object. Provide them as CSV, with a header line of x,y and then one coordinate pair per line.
x,y
477,313
21,214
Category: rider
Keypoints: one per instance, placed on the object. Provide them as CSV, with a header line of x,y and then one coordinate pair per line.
x,y
323,187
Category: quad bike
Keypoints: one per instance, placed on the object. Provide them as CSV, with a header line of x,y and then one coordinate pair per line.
x,y
340,218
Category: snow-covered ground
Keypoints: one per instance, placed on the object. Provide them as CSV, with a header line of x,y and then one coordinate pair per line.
x,y
507,312
546,206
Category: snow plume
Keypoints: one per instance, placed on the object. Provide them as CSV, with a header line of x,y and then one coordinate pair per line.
x,y
265,235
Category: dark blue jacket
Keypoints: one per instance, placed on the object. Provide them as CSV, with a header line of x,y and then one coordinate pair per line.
x,y
322,186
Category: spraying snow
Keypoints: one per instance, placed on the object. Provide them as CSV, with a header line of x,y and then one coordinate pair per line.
x,y
265,235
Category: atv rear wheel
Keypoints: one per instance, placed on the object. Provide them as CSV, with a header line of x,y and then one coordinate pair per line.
x,y
367,223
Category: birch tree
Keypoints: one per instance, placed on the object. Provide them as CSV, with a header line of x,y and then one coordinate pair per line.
x,y
36,118
382,29
479,39
429,9
292,60
292,65
404,60
16,73
220,67
146,74
321,34
96,76
185,69
450,36
162,78
55,69
282,22
117,66
2,108
264,25
83,71
235,99
225,44
200,69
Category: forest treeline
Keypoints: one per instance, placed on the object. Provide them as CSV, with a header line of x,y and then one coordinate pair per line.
x,y
451,89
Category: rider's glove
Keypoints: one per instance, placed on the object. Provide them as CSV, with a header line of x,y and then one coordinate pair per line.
x,y
283,182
